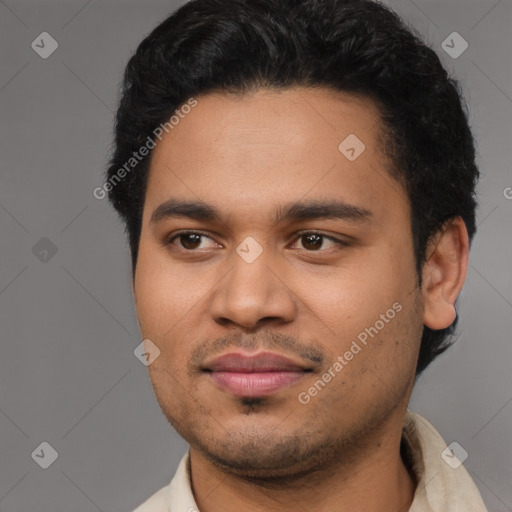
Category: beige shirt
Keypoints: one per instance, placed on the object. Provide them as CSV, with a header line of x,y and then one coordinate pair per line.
x,y
442,487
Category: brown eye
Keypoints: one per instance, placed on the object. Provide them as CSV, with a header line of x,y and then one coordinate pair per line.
x,y
317,242
190,241
312,241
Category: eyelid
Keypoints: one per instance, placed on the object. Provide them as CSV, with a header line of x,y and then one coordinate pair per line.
x,y
332,238
169,240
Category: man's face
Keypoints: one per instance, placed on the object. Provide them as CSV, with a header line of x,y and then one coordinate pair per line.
x,y
267,279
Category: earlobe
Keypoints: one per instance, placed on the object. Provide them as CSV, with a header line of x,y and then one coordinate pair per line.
x,y
444,273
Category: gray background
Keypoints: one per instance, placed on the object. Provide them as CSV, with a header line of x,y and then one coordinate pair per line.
x,y
68,375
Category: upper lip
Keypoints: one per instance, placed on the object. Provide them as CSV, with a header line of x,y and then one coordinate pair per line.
x,y
251,363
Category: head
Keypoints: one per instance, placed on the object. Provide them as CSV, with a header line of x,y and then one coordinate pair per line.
x,y
313,195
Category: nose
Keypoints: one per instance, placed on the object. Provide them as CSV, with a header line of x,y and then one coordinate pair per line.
x,y
252,294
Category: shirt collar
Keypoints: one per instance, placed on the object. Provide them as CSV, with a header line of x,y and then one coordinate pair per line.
x,y
440,487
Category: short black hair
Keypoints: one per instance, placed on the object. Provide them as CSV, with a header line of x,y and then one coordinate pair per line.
x,y
354,46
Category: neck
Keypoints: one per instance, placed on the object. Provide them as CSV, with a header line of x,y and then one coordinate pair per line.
x,y
376,480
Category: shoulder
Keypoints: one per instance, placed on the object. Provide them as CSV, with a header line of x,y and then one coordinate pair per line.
x,y
157,503
175,496
443,482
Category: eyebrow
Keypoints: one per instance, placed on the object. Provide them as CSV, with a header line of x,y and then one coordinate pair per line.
x,y
296,211
309,210
191,209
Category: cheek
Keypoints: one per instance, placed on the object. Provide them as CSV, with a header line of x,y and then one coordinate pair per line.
x,y
171,307
156,292
373,320
354,295
163,302
163,293
378,355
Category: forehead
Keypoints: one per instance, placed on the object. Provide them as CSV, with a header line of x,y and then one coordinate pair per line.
x,y
268,147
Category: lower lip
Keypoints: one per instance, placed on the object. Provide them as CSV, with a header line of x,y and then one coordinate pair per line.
x,y
255,384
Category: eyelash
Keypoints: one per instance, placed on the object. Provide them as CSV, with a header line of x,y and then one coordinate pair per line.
x,y
169,241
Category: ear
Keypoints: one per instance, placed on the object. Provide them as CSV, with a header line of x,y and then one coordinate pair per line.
x,y
444,273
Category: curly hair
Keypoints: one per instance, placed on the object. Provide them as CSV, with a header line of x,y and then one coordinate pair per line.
x,y
355,46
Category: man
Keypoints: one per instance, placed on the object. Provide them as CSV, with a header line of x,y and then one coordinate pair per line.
x,y
297,181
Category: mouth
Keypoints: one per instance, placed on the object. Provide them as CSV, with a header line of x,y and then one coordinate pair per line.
x,y
255,375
